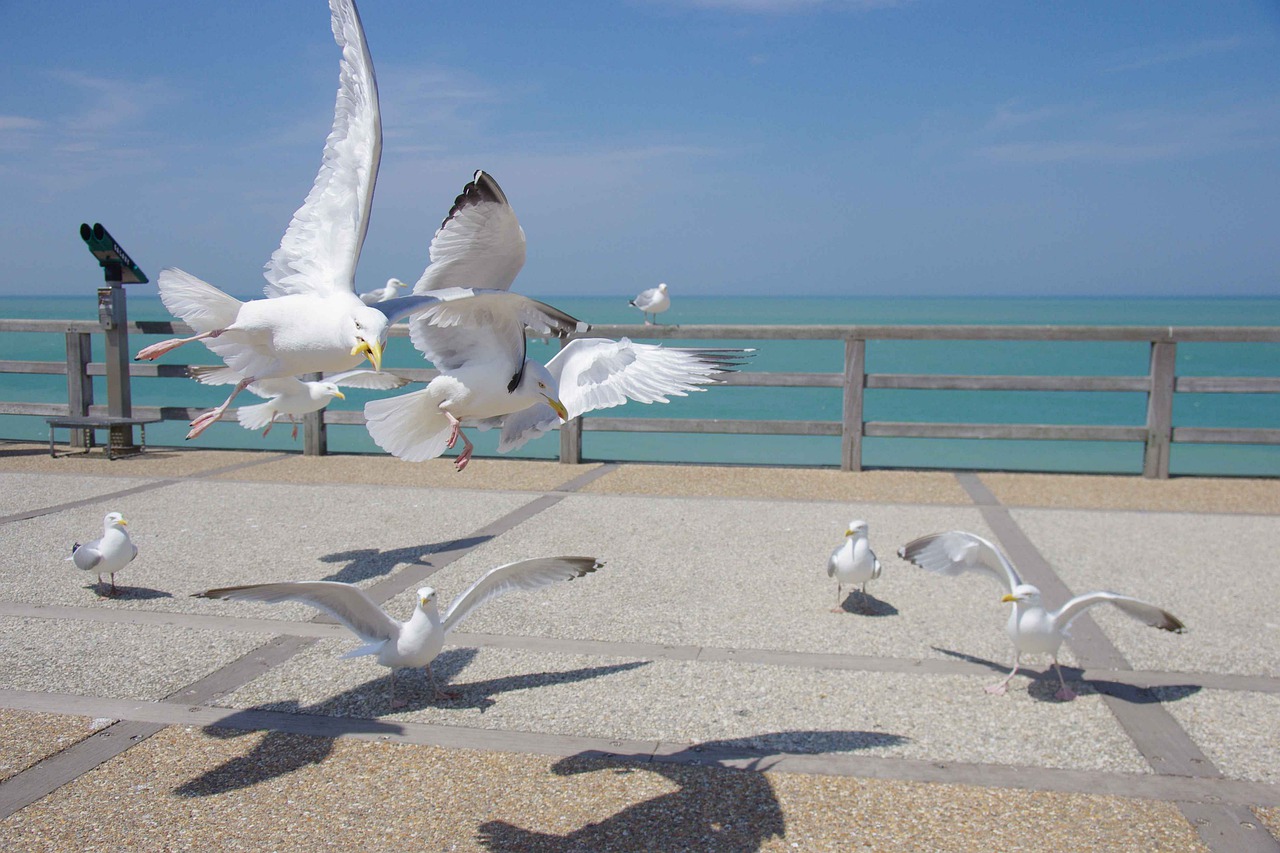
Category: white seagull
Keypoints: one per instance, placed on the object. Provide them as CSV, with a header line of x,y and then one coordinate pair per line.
x,y
294,397
108,554
652,301
853,562
311,321
478,345
382,294
418,641
1032,628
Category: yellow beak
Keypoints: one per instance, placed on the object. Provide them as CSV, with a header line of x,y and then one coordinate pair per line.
x,y
1009,597
339,395
557,406
125,523
372,349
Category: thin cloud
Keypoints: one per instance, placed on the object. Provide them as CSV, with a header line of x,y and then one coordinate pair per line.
x,y
1178,53
784,7
10,123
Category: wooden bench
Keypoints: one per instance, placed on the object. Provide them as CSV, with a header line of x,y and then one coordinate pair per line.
x,y
89,423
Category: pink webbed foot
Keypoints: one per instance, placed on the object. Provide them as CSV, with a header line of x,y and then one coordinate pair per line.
x,y
1066,694
465,456
154,351
997,689
203,422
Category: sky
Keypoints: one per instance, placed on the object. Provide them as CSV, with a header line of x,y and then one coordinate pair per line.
x,y
726,147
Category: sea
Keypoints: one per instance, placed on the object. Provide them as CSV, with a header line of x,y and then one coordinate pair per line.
x,y
990,357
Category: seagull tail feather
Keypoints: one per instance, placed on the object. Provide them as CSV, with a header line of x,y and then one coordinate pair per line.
x,y
410,426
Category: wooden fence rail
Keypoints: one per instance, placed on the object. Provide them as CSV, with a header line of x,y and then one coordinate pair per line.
x,y
1160,383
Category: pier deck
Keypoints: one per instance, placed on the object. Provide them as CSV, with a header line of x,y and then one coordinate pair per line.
x,y
696,693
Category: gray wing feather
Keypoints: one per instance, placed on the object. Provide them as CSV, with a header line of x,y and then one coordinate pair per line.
x,y
1143,611
956,552
524,575
479,244
346,603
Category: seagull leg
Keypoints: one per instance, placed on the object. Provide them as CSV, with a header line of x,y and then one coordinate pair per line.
x,y
113,585
294,421
204,421
440,694
1065,693
465,456
455,430
154,351
838,608
395,703
999,689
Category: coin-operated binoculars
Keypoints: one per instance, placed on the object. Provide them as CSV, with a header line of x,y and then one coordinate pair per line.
x,y
118,269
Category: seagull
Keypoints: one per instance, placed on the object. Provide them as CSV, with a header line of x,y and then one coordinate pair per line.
x,y
311,320
478,344
853,562
109,554
382,294
652,301
1032,628
292,396
418,641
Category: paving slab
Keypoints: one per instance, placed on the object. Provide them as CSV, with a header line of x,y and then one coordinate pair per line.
x,y
27,737
184,786
156,462
1179,494
1239,731
22,492
1213,573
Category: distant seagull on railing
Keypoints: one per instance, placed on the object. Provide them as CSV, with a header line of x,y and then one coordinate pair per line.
x,y
652,301
382,294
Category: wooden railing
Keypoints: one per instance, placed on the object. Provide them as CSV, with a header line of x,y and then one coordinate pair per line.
x,y
1160,384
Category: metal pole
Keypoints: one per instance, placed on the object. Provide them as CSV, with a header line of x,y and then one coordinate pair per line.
x,y
115,322
315,433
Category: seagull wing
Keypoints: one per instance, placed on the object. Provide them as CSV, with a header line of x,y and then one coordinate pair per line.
x,y
466,325
525,575
479,244
344,602
321,247
956,552
87,556
368,379
1145,612
599,373
282,386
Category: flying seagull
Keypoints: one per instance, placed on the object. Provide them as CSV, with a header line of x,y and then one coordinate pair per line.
x,y
108,554
1032,628
418,641
652,301
853,562
311,320
294,397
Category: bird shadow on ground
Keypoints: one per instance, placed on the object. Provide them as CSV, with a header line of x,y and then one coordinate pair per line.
x,y
368,563
280,753
127,593
866,604
1044,684
722,802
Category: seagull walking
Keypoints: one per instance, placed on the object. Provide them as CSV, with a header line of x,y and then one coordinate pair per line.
x,y
418,641
108,554
652,301
311,320
294,397
1032,628
853,562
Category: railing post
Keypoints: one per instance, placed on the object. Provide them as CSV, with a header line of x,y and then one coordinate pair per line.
x,y
79,385
1155,462
855,381
315,433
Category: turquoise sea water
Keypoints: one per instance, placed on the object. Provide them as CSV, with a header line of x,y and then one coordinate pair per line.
x,y
1238,410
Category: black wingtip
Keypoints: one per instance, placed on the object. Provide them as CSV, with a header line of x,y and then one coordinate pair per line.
x,y
482,188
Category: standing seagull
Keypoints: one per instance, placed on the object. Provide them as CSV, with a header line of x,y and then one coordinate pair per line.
x,y
853,562
107,555
382,294
652,301
418,641
1032,629
311,321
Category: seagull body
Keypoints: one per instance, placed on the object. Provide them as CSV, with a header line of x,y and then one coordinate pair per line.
x,y
291,396
108,554
311,321
853,562
1032,628
382,294
418,641
652,301
479,344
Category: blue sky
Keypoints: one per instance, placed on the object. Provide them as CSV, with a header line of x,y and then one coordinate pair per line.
x,y
933,147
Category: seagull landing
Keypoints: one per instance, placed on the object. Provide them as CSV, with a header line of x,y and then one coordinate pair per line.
x,y
853,562
1032,628
652,301
108,554
418,641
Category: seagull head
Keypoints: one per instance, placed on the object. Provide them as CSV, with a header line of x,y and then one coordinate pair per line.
x,y
329,390
114,519
369,334
1023,592
857,527
426,597
539,386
